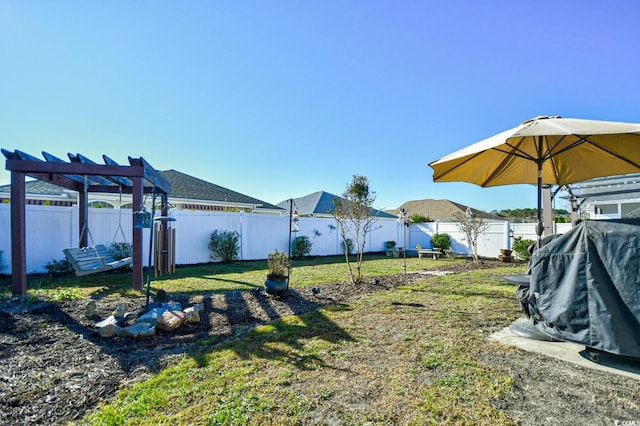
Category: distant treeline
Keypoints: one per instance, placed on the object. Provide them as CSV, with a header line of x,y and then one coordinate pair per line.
x,y
528,213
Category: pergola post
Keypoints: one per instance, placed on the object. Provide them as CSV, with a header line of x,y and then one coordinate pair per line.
x,y
83,217
18,238
137,198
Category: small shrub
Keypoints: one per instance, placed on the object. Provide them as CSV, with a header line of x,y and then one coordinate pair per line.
x,y
224,245
301,246
441,241
390,244
68,293
522,248
58,267
347,246
278,264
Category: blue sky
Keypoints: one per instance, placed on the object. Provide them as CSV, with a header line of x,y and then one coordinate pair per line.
x,y
279,99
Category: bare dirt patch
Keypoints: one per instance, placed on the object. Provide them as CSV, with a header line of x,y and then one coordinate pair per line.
x,y
54,367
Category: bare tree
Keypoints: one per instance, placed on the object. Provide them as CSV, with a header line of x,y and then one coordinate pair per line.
x,y
354,220
472,226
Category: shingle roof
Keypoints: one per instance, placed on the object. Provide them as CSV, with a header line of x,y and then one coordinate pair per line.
x,y
321,203
188,187
40,187
439,209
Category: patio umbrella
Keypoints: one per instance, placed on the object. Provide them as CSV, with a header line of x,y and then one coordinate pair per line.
x,y
545,151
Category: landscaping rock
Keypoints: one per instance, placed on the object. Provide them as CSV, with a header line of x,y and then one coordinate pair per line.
x,y
192,314
119,311
109,330
170,320
137,330
91,310
152,316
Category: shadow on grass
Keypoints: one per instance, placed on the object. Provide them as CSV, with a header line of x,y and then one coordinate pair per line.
x,y
287,329
279,338
249,285
468,292
285,341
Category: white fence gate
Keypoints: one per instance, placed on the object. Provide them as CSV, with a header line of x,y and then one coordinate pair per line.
x,y
51,229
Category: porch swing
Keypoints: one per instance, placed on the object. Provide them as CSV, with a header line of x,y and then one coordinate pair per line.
x,y
96,258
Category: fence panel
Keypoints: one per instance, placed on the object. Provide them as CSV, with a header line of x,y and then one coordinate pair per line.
x,y
526,231
5,238
42,245
323,234
263,234
47,233
383,231
50,229
193,233
420,234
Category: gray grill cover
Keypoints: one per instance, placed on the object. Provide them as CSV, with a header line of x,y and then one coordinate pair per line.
x,y
585,286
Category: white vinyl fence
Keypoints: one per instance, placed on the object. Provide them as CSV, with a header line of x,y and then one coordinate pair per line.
x,y
51,229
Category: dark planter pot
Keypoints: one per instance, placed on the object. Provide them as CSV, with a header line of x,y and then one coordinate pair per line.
x,y
276,287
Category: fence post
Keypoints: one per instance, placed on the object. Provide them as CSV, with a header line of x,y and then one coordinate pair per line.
x,y
507,228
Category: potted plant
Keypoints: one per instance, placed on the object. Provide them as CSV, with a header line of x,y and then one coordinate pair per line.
x,y
505,256
277,278
390,248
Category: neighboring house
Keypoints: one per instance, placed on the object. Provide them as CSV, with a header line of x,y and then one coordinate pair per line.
x,y
440,209
187,193
42,193
190,193
614,197
319,204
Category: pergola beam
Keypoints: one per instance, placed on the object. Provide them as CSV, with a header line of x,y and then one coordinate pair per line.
x,y
39,167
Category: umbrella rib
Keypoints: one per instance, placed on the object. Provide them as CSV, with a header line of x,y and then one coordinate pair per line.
x,y
549,154
608,151
446,172
585,139
515,151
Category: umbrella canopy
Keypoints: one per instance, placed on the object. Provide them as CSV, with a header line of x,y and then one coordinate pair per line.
x,y
545,150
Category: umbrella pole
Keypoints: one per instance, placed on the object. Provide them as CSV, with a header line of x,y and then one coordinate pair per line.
x,y
539,227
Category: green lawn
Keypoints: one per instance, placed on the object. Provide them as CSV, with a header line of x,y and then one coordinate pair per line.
x,y
402,356
218,277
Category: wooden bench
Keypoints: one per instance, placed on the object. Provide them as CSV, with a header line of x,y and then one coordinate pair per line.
x,y
91,260
434,253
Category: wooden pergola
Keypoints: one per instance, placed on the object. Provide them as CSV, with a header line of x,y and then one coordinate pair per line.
x,y
82,175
